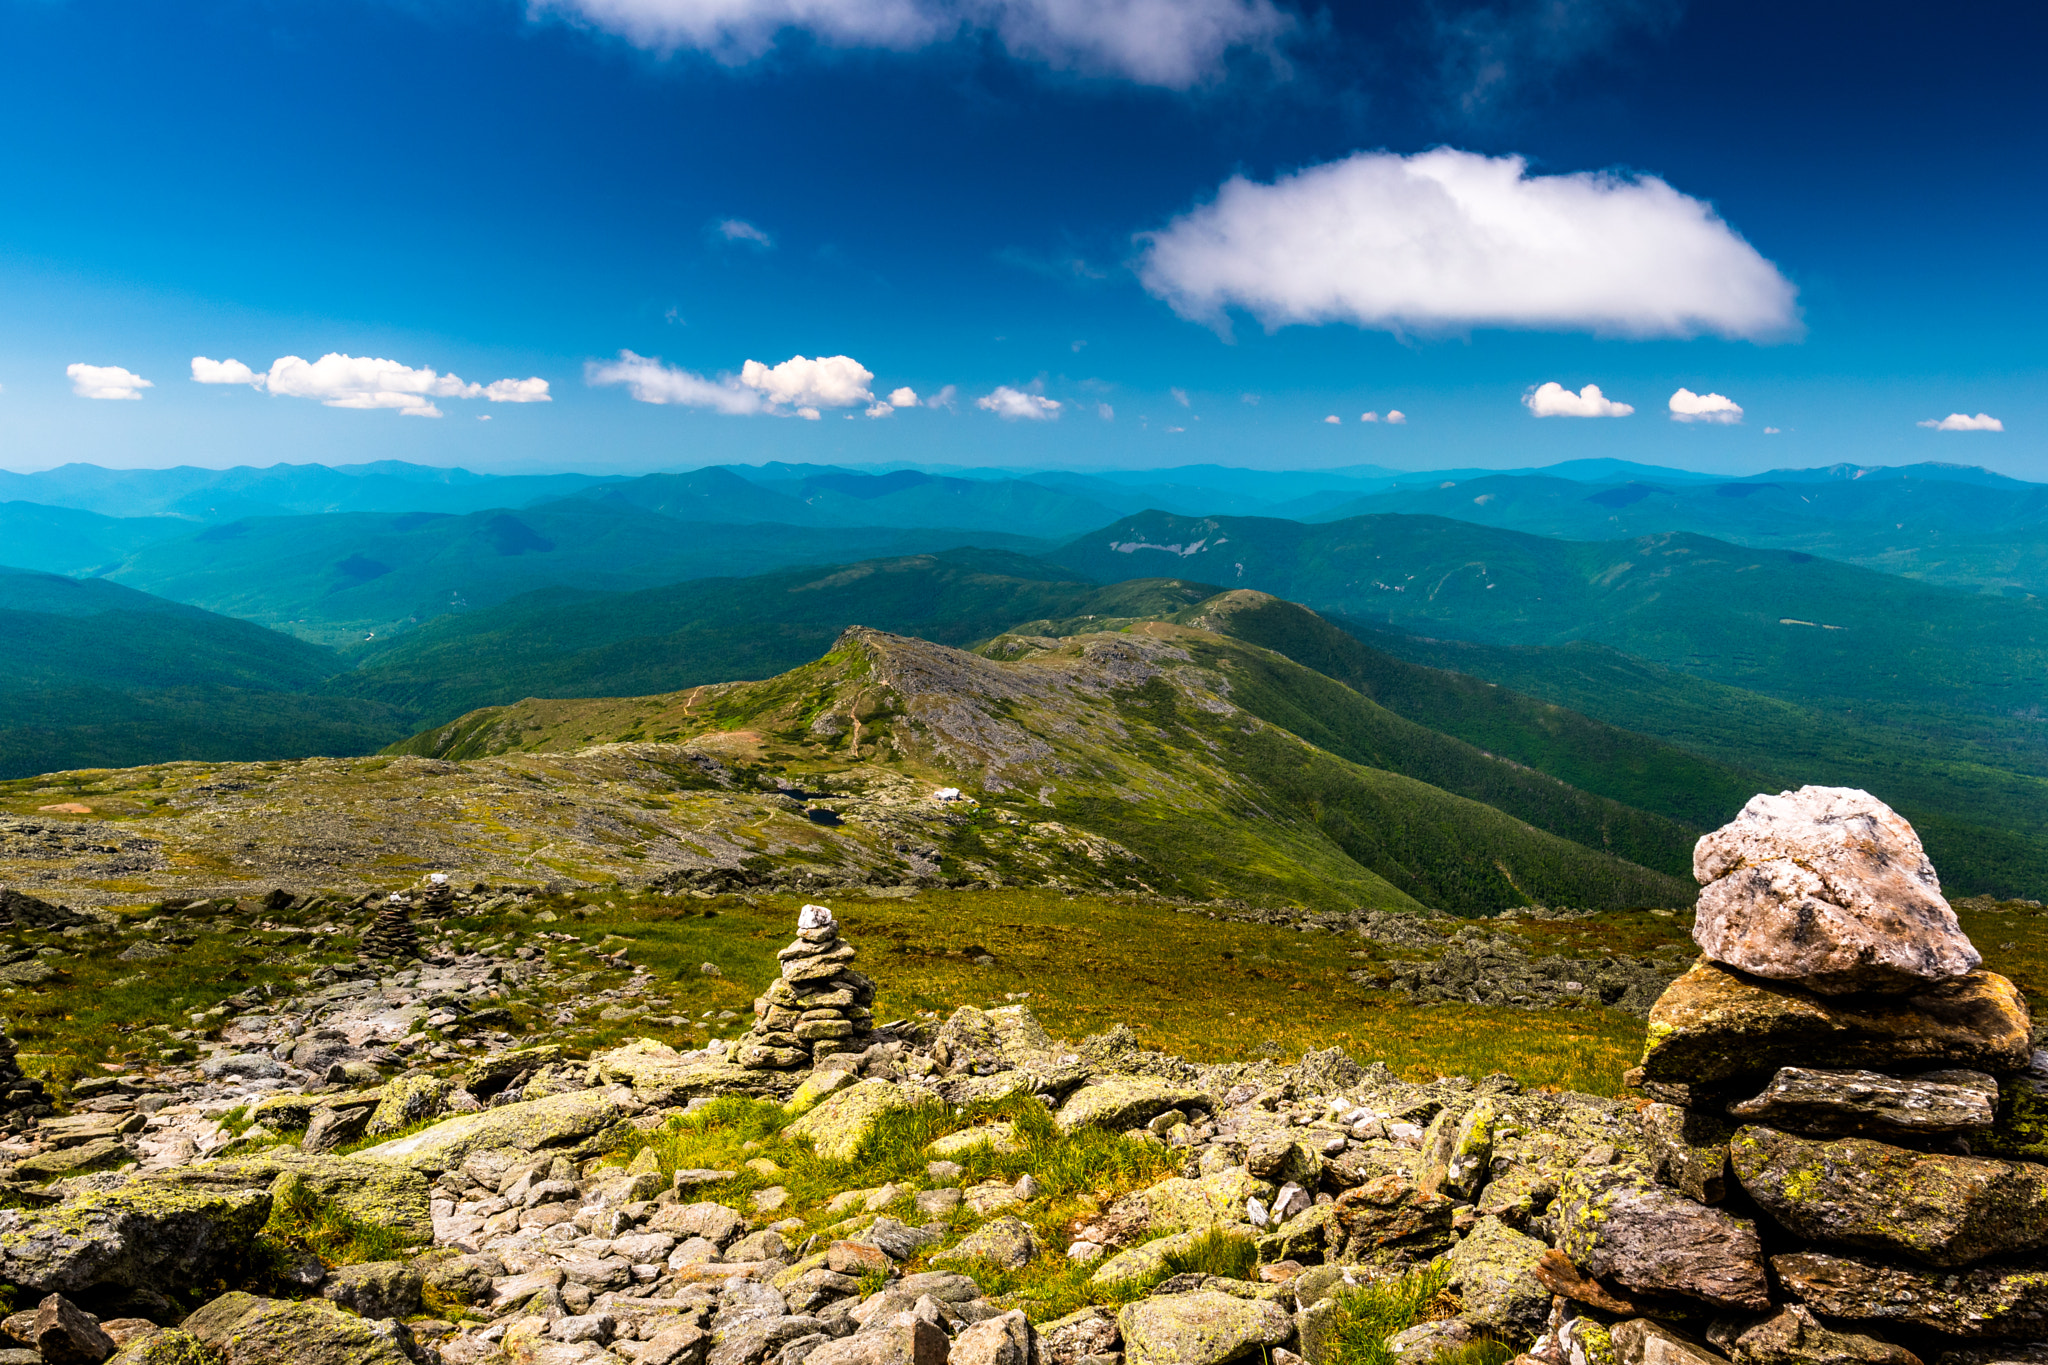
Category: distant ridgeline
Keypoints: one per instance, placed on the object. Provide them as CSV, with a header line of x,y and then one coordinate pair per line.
x,y
1615,696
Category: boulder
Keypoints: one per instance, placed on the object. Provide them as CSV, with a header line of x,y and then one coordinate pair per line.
x,y
66,1334
375,1289
1387,1221
1792,1336
171,1347
1930,1206
840,1123
1068,1340
1688,1151
1869,1102
408,1100
142,1235
1455,1151
1619,1226
1004,1340
1984,1301
1493,1268
1185,1204
1119,1103
1005,1242
1827,887
578,1124
332,1127
392,1198
1714,1025
1202,1328
663,1077
906,1340
1640,1341
715,1222
1429,1341
247,1330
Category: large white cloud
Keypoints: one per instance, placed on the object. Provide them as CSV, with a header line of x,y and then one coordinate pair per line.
x,y
105,381
1448,240
830,381
1687,406
1555,400
1959,421
1173,43
1015,405
366,382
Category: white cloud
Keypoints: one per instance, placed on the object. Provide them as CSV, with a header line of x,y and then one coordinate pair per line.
x,y
837,381
1173,43
206,371
345,381
740,230
944,398
808,414
1015,404
905,397
1105,412
1957,421
1368,417
1555,400
1771,431
1687,406
1448,240
1396,417
879,409
1334,420
650,381
1180,396
105,381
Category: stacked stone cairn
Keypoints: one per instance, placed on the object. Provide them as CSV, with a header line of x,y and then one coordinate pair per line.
x,y
391,934
22,1098
1840,1136
819,1007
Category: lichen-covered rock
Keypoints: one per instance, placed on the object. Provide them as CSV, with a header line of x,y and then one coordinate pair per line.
x,y
375,1289
1456,1150
1005,1242
1146,1261
1202,1328
841,1123
1933,1207
1713,1025
2004,1300
1493,1268
1387,1221
1828,887
577,1124
389,1197
1805,1100
661,1076
142,1235
247,1330
1123,1102
408,1100
1184,1204
1688,1151
1792,1336
170,1347
1617,1225
905,1341
1089,1332
1006,1339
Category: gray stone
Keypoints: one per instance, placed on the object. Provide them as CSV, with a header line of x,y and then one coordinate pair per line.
x,y
1425,1341
1493,1268
909,1342
899,1239
1933,1207
1792,1336
715,1222
247,1330
1201,1328
577,1124
1688,1151
1869,1102
242,1066
465,1279
1004,1242
333,1127
756,1339
1828,887
1984,1301
1120,1103
138,1236
1616,1225
1090,1332
375,1289
1003,1340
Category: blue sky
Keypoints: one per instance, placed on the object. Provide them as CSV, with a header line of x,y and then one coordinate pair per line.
x,y
1198,227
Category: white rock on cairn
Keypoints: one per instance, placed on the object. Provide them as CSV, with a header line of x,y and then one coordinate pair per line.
x,y
1828,888
813,917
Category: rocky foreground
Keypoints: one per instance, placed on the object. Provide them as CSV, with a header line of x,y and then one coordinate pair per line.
x,y
1838,1158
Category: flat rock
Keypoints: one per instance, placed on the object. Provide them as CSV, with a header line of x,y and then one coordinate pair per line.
x,y
141,1235
1387,1221
1123,1102
576,1125
1617,1225
1202,1328
1714,1025
663,1077
1792,1336
393,1198
1005,1242
1983,1301
1806,1100
1935,1208
1827,887
247,1330
841,1122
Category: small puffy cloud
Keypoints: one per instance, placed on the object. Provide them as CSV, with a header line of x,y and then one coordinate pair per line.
x,y
880,409
1687,406
1172,43
1180,396
1013,405
365,382
1955,421
1446,240
837,381
1771,431
1105,412
1555,400
231,371
1368,417
808,414
944,398
1334,420
905,397
740,230
105,381
1398,418
650,381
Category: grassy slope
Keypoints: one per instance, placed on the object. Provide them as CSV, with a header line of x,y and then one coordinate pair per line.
x,y
564,643
1154,760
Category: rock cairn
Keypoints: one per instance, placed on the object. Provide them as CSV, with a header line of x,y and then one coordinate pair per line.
x,y
391,934
1838,1064
22,1098
818,1008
